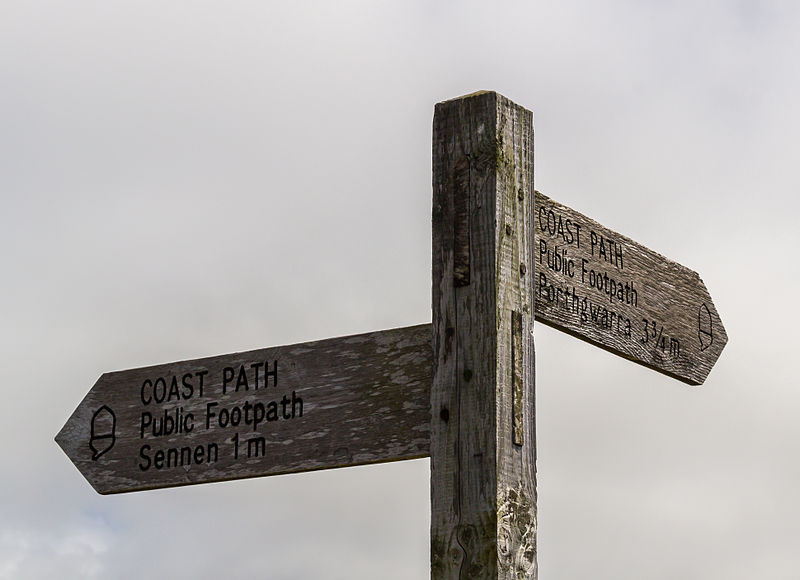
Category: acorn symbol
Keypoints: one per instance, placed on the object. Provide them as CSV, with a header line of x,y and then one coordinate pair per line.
x,y
103,433
705,330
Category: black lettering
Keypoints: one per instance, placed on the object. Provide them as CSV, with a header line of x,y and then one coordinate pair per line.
x,y
210,413
551,223
143,454
158,459
162,384
188,388
227,376
236,416
272,411
172,456
147,420
174,391
145,384
258,415
212,453
285,403
200,375
273,373
167,424
295,402
242,380
256,446
177,456
158,427
256,366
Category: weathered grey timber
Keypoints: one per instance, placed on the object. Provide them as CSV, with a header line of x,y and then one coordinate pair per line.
x,y
461,389
483,477
331,403
683,338
605,288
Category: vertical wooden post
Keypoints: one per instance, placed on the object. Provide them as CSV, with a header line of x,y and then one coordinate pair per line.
x,y
483,437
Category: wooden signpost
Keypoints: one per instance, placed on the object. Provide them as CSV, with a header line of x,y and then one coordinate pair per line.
x,y
483,435
460,390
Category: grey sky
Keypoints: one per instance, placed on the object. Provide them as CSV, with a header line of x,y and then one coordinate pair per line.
x,y
187,179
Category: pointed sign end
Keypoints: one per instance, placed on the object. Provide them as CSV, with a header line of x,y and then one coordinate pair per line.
x,y
711,334
59,440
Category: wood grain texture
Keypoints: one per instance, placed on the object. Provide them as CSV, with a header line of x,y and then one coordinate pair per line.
x,y
331,403
483,485
603,287
366,398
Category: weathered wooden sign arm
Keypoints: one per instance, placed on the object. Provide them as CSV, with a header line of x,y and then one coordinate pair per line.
x,y
344,401
603,287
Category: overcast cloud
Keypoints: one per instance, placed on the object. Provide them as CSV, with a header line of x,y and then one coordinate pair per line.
x,y
184,179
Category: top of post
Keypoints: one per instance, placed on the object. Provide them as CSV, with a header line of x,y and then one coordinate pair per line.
x,y
469,96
